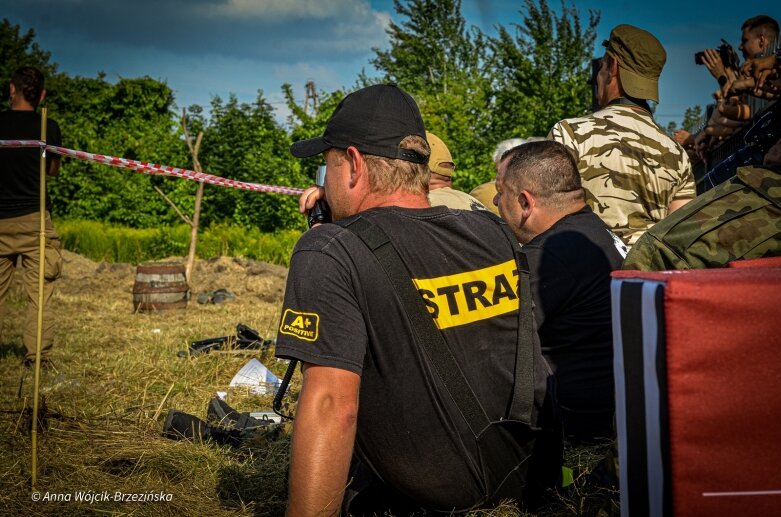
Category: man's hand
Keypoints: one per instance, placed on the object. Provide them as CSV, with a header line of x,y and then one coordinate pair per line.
x,y
755,66
712,61
307,200
323,437
684,138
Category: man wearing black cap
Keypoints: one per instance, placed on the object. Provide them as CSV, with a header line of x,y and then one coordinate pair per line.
x,y
633,173
363,337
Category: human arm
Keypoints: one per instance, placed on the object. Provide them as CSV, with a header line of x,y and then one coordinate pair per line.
x,y
323,327
675,204
53,166
54,137
323,437
760,68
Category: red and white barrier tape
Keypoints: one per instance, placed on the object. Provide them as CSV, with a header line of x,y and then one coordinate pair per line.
x,y
153,168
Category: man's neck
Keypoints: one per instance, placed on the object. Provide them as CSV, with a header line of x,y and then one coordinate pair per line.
x,y
552,217
636,104
436,181
399,198
21,105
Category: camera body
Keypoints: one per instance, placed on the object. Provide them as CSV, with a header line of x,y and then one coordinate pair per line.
x,y
320,213
727,54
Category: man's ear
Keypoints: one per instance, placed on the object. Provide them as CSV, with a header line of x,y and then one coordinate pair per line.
x,y
764,41
43,96
527,202
614,67
357,165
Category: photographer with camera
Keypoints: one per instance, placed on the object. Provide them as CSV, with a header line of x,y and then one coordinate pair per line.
x,y
732,110
723,64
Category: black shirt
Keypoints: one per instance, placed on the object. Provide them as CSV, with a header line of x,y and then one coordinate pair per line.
x,y
20,166
340,310
570,267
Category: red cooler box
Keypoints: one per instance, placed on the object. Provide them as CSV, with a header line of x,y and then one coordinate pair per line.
x,y
698,391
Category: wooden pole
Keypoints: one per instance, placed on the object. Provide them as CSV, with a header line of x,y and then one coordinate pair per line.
x,y
194,232
194,149
41,265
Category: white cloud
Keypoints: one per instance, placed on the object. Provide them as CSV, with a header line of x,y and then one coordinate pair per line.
x,y
278,10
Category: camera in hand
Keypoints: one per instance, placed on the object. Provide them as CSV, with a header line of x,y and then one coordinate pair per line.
x,y
729,57
320,213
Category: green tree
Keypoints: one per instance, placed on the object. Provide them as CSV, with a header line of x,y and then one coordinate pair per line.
x,y
244,142
544,68
431,48
132,119
692,119
310,123
20,49
443,65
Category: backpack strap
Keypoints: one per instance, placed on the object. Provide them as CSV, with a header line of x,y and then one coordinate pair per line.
x,y
523,390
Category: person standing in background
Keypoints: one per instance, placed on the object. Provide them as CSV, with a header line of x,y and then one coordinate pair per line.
x,y
20,207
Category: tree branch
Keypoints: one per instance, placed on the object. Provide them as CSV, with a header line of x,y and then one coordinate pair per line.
x,y
183,216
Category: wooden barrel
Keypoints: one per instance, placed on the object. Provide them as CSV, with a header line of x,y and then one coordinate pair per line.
x,y
160,286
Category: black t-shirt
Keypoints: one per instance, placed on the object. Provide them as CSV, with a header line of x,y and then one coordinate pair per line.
x,y
570,267
341,311
20,166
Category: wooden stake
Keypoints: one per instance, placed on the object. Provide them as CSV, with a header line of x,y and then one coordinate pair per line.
x,y
39,333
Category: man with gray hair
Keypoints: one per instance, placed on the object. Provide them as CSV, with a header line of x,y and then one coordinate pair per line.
x,y
486,192
571,254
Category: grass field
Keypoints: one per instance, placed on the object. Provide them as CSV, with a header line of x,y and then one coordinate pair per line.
x,y
116,375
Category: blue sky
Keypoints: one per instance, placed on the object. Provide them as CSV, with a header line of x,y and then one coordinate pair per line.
x,y
203,48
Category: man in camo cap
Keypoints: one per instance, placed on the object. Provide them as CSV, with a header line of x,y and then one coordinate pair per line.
x,y
633,173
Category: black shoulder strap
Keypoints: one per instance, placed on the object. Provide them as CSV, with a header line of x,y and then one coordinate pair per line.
x,y
431,341
523,391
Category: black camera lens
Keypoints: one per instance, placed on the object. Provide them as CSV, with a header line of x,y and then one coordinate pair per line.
x,y
698,58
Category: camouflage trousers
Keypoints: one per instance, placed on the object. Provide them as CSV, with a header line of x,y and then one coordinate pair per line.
x,y
19,242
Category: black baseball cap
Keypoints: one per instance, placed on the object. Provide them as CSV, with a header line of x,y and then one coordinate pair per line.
x,y
374,120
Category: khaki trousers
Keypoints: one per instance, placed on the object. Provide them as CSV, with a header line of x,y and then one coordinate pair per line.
x,y
19,238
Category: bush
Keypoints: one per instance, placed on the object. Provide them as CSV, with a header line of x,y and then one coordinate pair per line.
x,y
112,243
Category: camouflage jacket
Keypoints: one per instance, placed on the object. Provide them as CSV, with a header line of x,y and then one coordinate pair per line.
x,y
631,170
739,219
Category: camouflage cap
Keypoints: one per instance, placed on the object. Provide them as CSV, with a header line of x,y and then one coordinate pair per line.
x,y
440,161
640,59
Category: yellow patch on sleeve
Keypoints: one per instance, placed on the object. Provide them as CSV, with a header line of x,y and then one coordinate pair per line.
x,y
470,296
303,325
